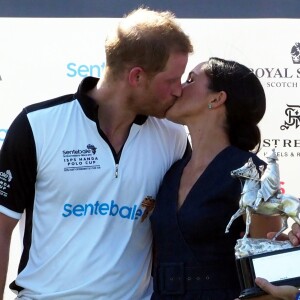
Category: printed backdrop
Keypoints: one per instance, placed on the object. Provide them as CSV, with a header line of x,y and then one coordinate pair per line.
x,y
44,58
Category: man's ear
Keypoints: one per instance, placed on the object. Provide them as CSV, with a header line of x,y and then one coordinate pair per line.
x,y
135,75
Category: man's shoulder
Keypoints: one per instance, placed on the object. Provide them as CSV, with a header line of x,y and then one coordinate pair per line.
x,y
167,131
164,123
49,103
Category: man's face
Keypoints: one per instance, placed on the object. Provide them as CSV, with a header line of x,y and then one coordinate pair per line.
x,y
193,103
164,88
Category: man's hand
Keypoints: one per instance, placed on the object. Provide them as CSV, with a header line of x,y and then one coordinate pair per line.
x,y
293,235
284,292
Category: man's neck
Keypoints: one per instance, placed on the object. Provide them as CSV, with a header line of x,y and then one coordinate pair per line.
x,y
114,114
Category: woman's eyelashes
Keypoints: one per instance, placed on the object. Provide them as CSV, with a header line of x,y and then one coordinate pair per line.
x,y
189,79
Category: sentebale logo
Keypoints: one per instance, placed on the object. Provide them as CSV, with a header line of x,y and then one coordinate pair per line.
x,y
99,209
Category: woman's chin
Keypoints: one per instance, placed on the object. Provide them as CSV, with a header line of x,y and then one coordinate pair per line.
x,y
172,115
172,118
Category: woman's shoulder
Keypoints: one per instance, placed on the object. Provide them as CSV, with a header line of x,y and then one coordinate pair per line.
x,y
242,156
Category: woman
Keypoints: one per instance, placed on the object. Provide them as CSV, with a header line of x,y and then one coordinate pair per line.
x,y
221,104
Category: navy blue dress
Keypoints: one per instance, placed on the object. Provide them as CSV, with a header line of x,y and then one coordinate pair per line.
x,y
193,257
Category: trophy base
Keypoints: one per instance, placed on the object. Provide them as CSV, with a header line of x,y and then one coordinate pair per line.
x,y
274,261
251,293
248,246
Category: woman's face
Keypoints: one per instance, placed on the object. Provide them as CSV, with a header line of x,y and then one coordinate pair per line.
x,y
194,99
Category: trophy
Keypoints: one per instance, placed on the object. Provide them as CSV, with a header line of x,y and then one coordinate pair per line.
x,y
276,261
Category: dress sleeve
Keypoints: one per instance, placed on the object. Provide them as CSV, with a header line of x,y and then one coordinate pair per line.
x,y
18,167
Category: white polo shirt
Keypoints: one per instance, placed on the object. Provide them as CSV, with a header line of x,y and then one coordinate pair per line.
x,y
84,235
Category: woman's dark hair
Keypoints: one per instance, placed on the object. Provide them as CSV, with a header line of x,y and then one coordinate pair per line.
x,y
245,103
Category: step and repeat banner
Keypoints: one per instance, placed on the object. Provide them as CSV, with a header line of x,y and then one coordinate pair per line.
x,y
41,58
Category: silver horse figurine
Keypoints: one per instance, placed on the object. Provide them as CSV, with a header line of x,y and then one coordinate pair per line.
x,y
283,205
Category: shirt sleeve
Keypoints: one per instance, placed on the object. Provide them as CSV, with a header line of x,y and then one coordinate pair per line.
x,y
18,167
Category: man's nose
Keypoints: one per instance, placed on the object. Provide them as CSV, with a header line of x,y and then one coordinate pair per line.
x,y
177,90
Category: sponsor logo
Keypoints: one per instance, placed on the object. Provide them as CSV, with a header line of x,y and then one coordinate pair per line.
x,y
81,70
81,159
5,179
292,113
295,53
278,77
282,143
289,148
98,209
281,77
2,134
7,175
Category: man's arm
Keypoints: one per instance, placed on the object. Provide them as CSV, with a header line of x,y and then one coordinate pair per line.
x,y
7,225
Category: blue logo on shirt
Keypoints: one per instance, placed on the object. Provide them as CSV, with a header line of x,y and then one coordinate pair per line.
x,y
102,209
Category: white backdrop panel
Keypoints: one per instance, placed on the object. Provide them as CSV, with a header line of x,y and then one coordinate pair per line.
x,y
44,58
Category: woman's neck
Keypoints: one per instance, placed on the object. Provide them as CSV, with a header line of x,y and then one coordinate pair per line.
x,y
207,144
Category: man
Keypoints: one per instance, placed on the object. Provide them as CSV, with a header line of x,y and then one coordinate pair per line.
x,y
81,165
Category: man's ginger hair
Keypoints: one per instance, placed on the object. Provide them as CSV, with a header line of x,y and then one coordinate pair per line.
x,y
145,38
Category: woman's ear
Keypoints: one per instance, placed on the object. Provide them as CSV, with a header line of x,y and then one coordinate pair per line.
x,y
135,76
222,97
219,99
